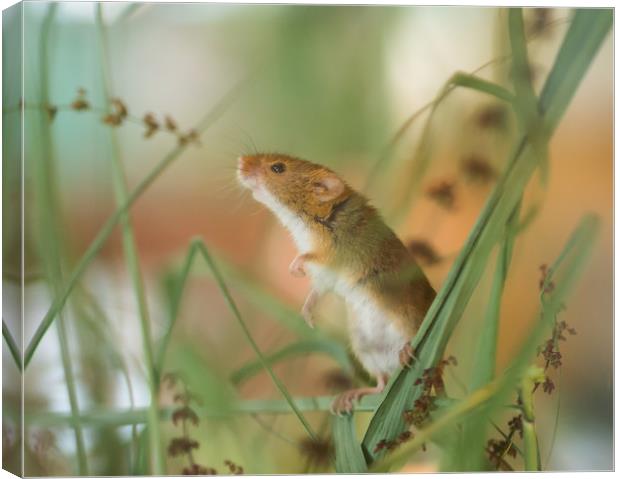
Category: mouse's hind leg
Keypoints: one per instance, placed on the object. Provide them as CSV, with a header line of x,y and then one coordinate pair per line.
x,y
343,404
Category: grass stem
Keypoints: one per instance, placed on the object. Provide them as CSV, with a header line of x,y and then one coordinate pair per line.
x,y
158,462
52,252
12,345
108,227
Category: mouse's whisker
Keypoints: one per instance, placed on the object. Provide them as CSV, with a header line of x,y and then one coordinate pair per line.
x,y
242,148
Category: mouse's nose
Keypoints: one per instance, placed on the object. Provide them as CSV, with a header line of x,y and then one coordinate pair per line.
x,y
246,167
246,163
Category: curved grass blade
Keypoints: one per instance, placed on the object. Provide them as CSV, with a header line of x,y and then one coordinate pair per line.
x,y
108,227
468,455
201,247
526,104
587,31
463,277
422,155
296,349
314,341
349,455
127,417
486,350
565,272
132,260
12,345
466,80
52,249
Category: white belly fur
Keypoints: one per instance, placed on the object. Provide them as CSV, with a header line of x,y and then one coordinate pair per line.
x,y
374,339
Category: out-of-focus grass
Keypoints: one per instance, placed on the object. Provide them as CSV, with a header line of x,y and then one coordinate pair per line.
x,y
156,449
429,343
52,249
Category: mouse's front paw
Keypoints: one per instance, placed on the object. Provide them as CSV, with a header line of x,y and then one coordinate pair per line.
x,y
306,313
296,268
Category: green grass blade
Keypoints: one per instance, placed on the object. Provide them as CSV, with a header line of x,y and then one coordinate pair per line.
x,y
349,455
584,37
248,335
12,345
465,273
526,104
108,227
420,161
476,83
302,347
254,293
52,250
531,451
486,350
127,417
565,272
128,12
177,288
131,257
468,452
141,466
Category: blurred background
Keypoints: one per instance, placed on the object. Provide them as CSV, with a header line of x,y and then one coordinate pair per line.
x,y
328,84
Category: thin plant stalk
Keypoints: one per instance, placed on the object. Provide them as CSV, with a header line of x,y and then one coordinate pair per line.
x,y
52,252
12,345
531,452
138,416
158,462
108,227
200,246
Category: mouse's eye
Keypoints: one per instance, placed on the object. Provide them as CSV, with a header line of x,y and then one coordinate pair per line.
x,y
278,168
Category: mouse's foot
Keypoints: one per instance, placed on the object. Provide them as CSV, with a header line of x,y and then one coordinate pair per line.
x,y
343,404
406,356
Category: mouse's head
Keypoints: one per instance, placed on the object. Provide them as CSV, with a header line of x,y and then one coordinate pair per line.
x,y
281,181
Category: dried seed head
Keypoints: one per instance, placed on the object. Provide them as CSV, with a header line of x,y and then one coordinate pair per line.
x,y
185,414
492,116
319,451
51,111
336,380
80,102
443,193
120,108
112,119
151,125
182,445
233,468
198,470
170,123
516,425
43,441
391,445
170,379
539,20
478,169
548,385
423,252
189,137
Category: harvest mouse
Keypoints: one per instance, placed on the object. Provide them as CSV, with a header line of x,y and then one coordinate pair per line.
x,y
345,247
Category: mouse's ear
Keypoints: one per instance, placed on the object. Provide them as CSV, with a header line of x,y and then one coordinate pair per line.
x,y
328,187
